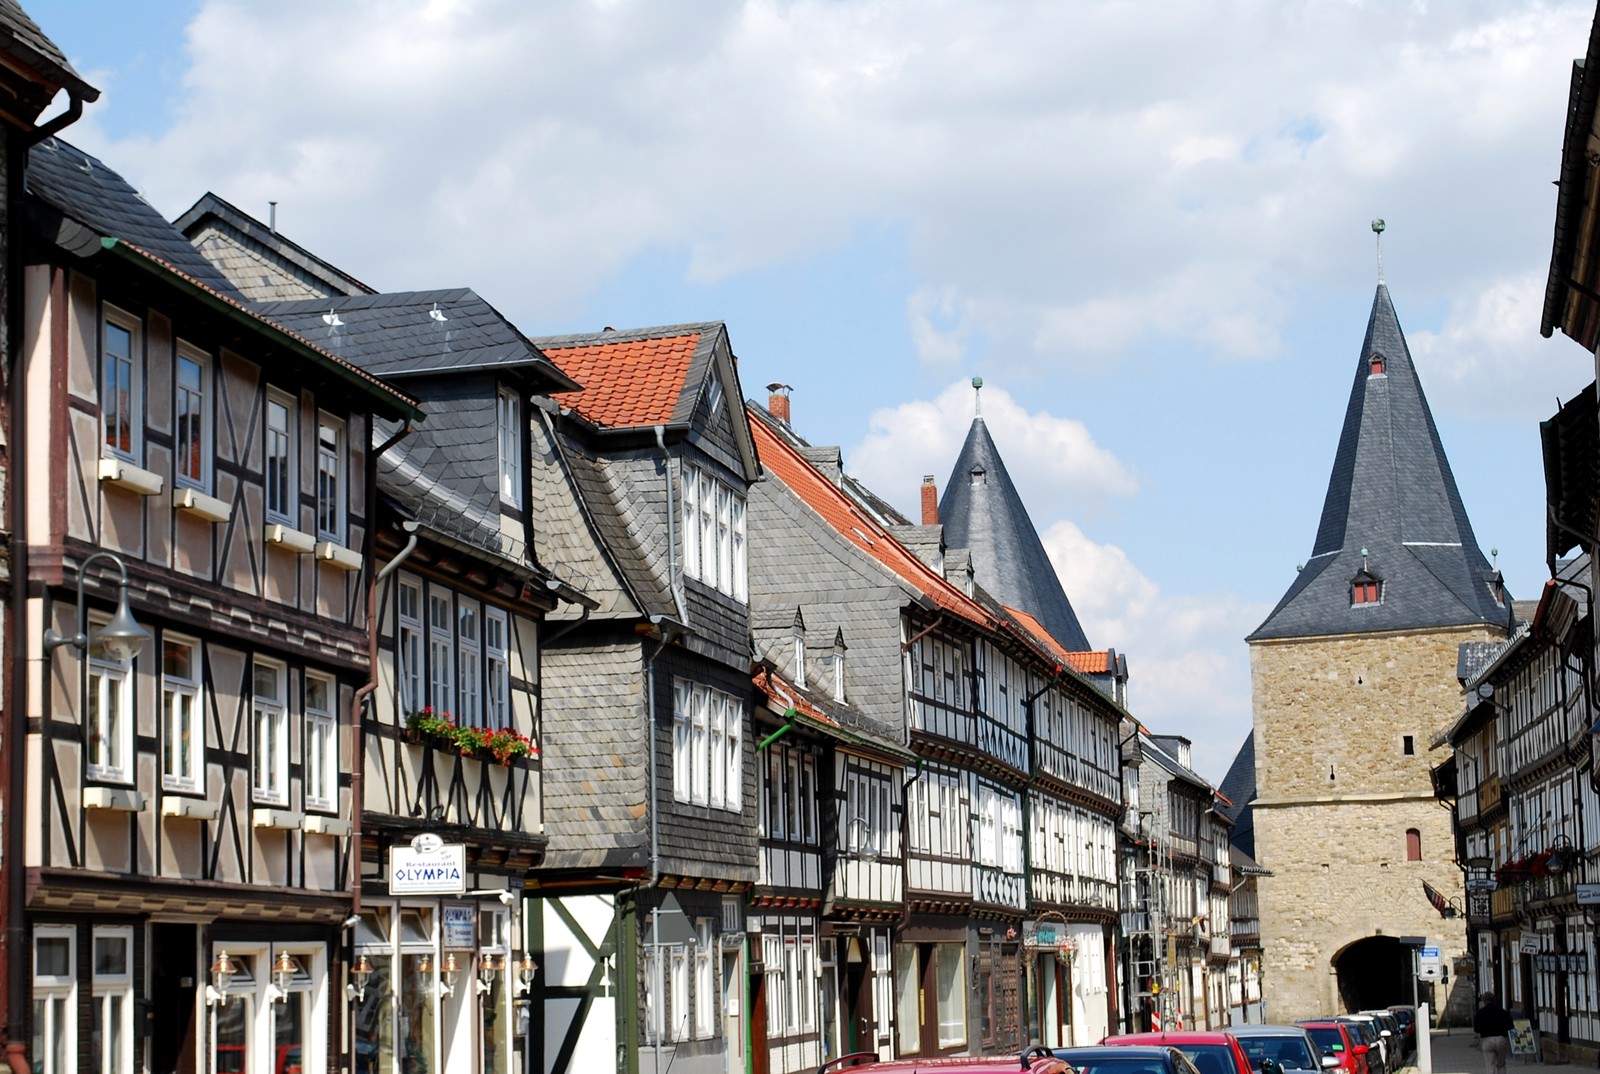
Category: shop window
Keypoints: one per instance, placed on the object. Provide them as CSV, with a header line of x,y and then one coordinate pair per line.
x,y
113,999
952,994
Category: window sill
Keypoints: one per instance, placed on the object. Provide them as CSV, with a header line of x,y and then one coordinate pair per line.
x,y
315,824
289,538
126,475
198,504
274,818
114,799
189,808
338,555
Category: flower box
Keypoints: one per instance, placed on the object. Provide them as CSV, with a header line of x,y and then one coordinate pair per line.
x,y
489,745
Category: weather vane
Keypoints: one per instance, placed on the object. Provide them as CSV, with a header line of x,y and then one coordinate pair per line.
x,y
1377,230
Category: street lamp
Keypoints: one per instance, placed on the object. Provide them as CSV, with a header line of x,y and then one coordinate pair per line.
x,y
121,638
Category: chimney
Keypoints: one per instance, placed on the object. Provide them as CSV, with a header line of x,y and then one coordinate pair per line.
x,y
778,401
930,501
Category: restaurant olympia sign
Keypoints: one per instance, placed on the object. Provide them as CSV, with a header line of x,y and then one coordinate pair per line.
x,y
429,866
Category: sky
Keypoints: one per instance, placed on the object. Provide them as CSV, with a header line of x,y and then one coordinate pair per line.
x,y
1147,228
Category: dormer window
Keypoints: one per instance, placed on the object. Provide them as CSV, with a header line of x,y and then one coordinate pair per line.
x,y
980,476
1365,588
838,665
1375,365
799,628
508,426
1497,587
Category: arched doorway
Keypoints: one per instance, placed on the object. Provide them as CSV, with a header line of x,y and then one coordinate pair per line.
x,y
1374,972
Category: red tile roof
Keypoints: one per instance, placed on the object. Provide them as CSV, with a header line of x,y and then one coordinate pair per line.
x,y
1089,663
626,383
780,690
823,497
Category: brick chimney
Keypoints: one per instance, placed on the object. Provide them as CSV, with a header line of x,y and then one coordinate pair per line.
x,y
778,401
930,501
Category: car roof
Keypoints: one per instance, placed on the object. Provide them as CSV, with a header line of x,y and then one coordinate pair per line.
x,y
1169,1037
1267,1031
1117,1051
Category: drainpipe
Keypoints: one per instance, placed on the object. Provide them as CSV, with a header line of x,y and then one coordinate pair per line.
x,y
788,725
673,579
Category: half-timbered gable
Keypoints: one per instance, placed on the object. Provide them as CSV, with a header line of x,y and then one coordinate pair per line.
x,y
189,798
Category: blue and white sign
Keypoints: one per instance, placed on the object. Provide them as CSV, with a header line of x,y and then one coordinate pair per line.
x,y
1430,953
460,929
428,871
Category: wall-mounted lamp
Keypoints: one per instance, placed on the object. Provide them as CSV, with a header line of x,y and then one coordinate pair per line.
x,y
861,843
526,968
488,966
450,975
284,967
222,971
360,974
122,638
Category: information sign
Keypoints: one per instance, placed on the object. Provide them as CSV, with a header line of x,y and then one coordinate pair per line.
x,y
423,872
1529,944
460,928
1522,1038
1588,894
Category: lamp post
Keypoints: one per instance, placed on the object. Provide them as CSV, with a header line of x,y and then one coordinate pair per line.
x,y
122,637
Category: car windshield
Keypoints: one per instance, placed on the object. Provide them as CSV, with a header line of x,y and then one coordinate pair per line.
x,y
1209,1058
1290,1053
1328,1038
1130,1065
1363,1030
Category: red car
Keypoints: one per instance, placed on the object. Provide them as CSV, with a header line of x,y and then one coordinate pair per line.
x,y
1035,1060
1337,1039
1211,1051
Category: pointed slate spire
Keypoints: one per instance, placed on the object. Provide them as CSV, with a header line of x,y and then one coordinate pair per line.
x,y
1392,516
981,511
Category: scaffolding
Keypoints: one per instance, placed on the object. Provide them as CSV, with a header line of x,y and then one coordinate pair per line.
x,y
1152,946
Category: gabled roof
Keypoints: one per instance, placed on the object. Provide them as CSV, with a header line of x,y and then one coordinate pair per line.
x,y
987,516
1392,507
418,333
636,377
314,273
78,186
1569,296
26,45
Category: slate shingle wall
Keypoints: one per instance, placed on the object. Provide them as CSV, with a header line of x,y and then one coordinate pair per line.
x,y
258,277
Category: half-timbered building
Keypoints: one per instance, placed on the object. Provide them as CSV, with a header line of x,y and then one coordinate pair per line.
x,y
650,788
197,624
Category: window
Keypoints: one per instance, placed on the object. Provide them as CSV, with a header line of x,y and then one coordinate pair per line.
x,y
470,668
497,669
508,424
1408,745
678,964
119,384
55,1046
113,1001
1365,589
1413,845
322,743
952,996
907,990
270,759
705,989
714,533
281,479
1375,365
193,464
789,798
109,716
330,478
408,645
183,728
707,731
838,667
654,1000
441,652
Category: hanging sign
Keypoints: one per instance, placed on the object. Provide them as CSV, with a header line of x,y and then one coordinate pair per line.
x,y
428,870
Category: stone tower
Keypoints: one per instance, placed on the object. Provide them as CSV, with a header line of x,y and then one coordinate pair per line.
x,y
1352,676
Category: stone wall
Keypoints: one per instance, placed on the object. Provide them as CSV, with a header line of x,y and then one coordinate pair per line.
x,y
1337,792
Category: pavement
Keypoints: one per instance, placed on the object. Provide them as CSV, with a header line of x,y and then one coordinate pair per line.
x,y
1455,1051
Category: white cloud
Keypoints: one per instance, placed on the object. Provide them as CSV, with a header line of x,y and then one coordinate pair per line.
x,y
1050,459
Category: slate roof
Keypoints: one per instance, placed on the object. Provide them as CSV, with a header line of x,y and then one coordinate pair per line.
x,y
1239,786
263,264
79,186
637,377
417,333
23,41
1392,494
989,518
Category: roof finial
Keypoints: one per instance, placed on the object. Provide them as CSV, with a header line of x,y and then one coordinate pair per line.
x,y
1377,230
977,396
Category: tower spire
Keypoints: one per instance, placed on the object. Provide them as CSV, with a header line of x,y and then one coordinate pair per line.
x,y
1377,230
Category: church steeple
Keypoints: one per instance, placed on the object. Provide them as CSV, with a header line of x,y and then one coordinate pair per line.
x,y
981,511
1394,549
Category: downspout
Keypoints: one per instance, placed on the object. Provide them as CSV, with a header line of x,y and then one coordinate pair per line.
x,y
18,949
674,582
788,725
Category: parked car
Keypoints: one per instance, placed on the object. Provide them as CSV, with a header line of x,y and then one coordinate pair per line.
x,y
1340,1040
1210,1052
1373,1033
1397,1033
1127,1059
1406,1015
1279,1049
1035,1060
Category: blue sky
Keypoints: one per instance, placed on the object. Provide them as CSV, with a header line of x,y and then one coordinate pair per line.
x,y
1149,236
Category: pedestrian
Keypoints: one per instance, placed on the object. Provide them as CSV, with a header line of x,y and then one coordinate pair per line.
x,y
1492,1023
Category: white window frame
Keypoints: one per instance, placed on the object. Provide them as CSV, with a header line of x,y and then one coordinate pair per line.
x,y
201,399
705,988
735,734
741,553
286,512
469,663
50,989
654,995
717,765
708,527
682,744
707,730
321,742
678,963
269,736
496,667
332,468
724,576
700,745
108,719
135,369
409,662
689,481
183,767
509,437
441,650
116,1052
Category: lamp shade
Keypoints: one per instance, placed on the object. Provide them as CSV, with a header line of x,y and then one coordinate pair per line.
x,y
122,638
